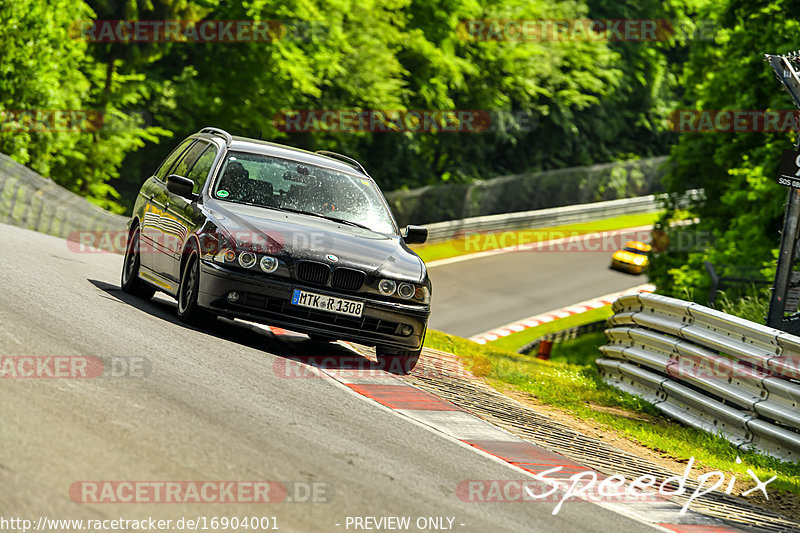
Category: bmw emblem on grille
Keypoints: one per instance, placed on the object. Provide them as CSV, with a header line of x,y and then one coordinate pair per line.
x,y
332,258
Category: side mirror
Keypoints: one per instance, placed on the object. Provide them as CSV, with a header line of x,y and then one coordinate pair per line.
x,y
415,234
181,186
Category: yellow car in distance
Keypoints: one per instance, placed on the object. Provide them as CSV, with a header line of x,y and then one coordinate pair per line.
x,y
632,258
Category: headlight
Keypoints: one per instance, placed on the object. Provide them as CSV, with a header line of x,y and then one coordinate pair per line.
x,y
387,287
247,259
225,256
268,264
406,290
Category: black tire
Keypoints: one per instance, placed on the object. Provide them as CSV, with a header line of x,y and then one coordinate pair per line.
x,y
129,281
397,361
188,310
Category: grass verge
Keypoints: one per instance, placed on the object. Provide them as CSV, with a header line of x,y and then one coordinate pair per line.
x,y
515,341
493,241
570,384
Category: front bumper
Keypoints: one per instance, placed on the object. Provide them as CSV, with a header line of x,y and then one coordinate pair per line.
x,y
627,267
268,300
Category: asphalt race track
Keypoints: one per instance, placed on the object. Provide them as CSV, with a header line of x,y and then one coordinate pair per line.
x,y
477,295
210,406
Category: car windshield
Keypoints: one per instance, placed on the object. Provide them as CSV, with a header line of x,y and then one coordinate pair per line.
x,y
634,250
282,184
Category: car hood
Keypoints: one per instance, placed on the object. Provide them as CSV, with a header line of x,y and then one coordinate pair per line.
x,y
308,237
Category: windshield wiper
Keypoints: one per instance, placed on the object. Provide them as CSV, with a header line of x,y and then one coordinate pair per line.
x,y
348,222
332,219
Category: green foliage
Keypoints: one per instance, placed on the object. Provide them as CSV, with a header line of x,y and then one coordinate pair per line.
x,y
751,306
45,70
743,208
566,102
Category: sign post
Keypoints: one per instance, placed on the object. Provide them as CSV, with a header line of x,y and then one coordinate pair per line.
x,y
788,175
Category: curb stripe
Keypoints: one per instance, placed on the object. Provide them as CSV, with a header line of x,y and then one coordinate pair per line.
x,y
403,397
533,321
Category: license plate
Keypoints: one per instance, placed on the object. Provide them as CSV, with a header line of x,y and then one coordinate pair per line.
x,y
332,304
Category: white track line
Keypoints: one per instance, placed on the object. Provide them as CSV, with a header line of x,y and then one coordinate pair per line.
x,y
536,320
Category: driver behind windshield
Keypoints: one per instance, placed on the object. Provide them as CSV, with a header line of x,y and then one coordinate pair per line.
x,y
236,185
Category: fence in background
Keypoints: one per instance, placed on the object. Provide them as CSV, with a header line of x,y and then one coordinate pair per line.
x,y
526,192
708,369
31,201
557,216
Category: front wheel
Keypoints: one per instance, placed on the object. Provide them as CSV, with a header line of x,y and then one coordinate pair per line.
x,y
130,281
397,361
188,310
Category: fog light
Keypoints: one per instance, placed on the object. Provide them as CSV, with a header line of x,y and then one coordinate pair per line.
x,y
247,259
233,297
387,287
406,330
406,290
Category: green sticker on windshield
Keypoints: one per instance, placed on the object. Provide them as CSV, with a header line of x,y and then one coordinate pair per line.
x,y
222,194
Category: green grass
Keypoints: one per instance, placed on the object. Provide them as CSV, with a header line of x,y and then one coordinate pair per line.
x,y
515,341
492,241
570,383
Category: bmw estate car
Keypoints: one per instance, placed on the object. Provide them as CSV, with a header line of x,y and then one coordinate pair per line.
x,y
632,258
243,228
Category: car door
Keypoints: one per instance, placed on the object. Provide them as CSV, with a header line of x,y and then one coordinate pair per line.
x,y
181,215
155,192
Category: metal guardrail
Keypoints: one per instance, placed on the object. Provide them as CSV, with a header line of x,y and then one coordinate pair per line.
x,y
708,369
32,201
542,218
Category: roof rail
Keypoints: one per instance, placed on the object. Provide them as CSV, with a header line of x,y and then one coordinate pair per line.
x,y
217,131
344,158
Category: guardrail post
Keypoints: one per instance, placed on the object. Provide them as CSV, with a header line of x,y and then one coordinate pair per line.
x,y
712,291
545,346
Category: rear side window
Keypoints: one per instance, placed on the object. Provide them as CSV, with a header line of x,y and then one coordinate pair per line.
x,y
201,169
186,162
162,171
